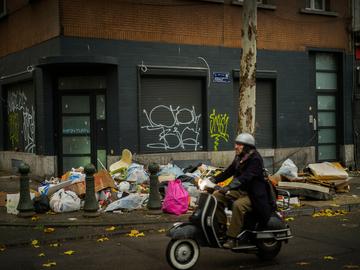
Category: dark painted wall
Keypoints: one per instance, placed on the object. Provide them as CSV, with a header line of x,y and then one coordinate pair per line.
x,y
293,93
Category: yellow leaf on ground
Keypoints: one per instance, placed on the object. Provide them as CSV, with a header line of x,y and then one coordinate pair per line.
x,y
49,230
34,218
161,230
328,258
49,264
54,245
42,254
112,228
351,266
302,263
69,252
329,213
102,239
135,233
289,219
34,242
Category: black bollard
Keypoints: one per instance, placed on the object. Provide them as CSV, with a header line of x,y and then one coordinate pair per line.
x,y
91,205
154,202
25,206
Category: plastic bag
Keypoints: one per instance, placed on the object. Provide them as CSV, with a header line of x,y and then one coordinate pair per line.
x,y
130,202
288,169
64,201
41,204
136,173
176,198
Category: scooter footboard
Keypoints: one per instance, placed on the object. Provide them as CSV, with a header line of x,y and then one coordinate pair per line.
x,y
279,235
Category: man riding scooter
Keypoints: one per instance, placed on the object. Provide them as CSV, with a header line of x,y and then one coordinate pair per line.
x,y
248,191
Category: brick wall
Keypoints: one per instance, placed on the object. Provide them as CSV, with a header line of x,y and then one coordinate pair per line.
x,y
203,23
28,24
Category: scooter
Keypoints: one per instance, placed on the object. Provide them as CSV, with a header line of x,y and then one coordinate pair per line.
x,y
183,250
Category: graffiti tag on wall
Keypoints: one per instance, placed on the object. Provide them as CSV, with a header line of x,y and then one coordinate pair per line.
x,y
219,127
18,107
177,128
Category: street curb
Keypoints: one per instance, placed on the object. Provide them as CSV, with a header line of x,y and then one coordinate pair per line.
x,y
295,212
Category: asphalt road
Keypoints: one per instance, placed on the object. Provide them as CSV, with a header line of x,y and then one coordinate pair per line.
x,y
319,243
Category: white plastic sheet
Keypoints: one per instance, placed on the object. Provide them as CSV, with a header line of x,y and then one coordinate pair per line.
x,y
130,202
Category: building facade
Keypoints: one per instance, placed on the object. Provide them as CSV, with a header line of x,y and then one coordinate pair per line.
x,y
81,80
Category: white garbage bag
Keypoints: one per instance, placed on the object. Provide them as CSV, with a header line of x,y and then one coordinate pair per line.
x,y
288,169
64,201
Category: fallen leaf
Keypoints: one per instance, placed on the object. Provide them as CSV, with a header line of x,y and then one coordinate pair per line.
x,y
54,245
50,213
102,239
302,263
34,242
328,258
329,213
112,228
42,254
49,230
49,264
351,266
34,218
161,230
289,219
69,252
135,233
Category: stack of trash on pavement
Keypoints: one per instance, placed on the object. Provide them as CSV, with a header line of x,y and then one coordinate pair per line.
x,y
319,181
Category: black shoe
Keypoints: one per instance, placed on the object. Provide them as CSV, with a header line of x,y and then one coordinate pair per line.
x,y
230,243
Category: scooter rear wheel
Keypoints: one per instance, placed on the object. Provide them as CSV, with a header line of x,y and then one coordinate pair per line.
x,y
268,249
182,254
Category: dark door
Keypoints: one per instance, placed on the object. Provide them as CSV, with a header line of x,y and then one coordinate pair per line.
x,y
82,129
327,91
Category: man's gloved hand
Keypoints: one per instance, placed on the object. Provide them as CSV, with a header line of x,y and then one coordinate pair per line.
x,y
222,190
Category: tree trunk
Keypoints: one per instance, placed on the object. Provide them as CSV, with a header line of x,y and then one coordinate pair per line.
x,y
247,92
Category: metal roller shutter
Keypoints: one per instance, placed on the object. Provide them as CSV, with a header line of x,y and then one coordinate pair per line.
x,y
171,114
264,130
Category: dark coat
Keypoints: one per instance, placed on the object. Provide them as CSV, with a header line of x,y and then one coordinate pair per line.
x,y
249,176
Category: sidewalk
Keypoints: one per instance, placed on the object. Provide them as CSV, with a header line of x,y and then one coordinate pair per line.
x,y
68,224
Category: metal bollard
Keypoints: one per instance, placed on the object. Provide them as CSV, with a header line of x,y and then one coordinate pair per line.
x,y
25,206
91,205
154,202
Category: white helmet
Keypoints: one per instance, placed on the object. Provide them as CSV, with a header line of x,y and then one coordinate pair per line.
x,y
245,138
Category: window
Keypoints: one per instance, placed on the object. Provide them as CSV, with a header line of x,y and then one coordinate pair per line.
x,y
315,5
2,8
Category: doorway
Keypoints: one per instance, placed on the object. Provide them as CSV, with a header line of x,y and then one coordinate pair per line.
x,y
82,129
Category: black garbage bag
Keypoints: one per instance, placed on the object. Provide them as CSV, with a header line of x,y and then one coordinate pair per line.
x,y
41,204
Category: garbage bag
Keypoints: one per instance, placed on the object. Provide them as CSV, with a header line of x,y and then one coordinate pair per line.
x,y
41,204
288,169
64,201
130,202
176,198
171,169
136,173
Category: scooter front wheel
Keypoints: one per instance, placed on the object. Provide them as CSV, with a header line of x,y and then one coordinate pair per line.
x,y
182,253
